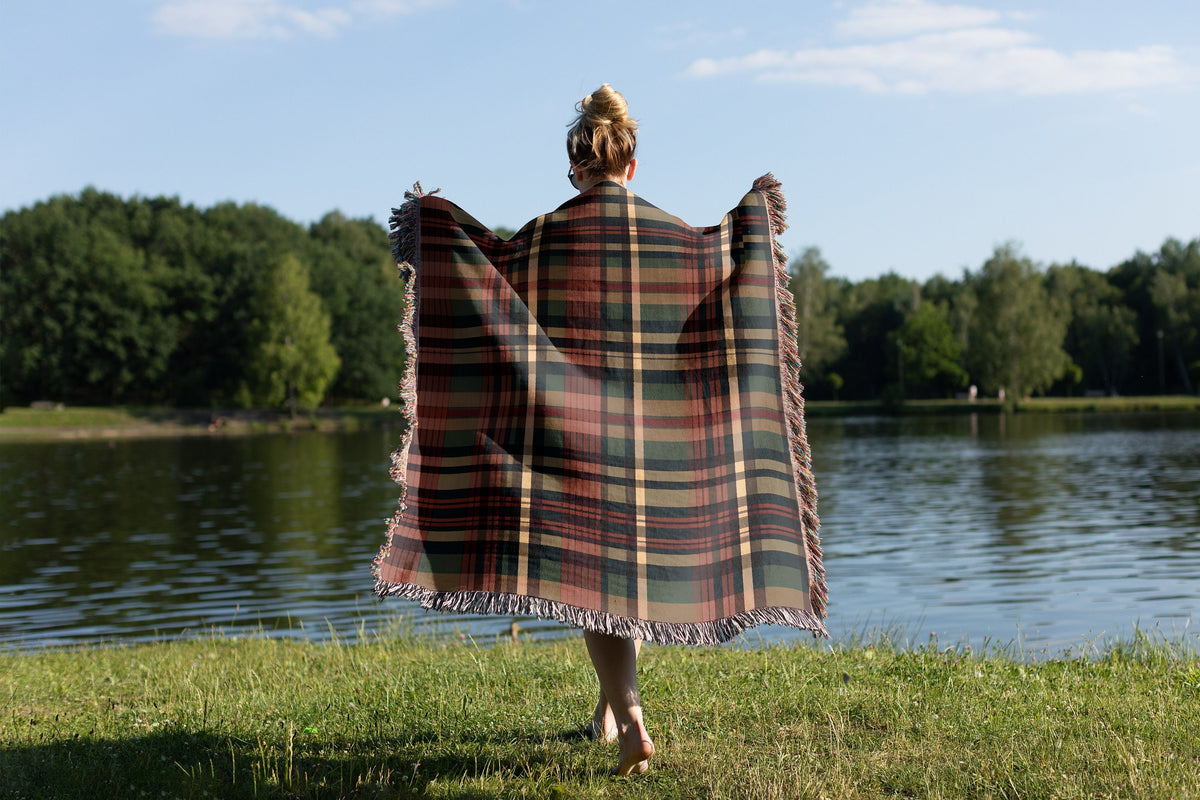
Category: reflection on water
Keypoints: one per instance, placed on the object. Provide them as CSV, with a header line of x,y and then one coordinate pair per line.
x,y
1062,527
148,538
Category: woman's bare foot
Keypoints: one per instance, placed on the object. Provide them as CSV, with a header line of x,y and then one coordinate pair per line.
x,y
603,727
615,660
636,749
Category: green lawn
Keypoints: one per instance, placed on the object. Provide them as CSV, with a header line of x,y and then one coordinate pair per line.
x,y
100,422
260,717
125,421
70,417
1179,402
831,408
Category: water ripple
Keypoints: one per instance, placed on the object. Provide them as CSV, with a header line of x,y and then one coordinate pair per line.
x,y
1054,529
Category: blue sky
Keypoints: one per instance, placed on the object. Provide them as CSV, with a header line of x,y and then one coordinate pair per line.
x,y
910,135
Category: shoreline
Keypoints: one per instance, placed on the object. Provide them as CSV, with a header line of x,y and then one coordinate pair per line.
x,y
123,422
26,424
1032,405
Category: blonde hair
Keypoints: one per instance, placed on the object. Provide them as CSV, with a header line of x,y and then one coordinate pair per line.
x,y
602,139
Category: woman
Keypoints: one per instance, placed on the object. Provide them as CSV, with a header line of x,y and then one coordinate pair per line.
x,y
605,424
601,146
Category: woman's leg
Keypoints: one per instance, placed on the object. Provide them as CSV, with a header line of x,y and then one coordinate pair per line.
x,y
615,660
604,726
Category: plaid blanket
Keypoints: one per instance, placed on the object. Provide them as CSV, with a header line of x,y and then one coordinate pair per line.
x,y
603,421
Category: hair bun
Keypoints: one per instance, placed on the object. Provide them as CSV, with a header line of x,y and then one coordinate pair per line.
x,y
603,138
605,106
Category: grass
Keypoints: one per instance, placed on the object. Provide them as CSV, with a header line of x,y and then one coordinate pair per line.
x,y
848,408
263,717
135,421
70,417
131,421
1043,405
1178,402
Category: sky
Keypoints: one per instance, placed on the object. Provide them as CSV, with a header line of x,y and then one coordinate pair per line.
x,y
911,136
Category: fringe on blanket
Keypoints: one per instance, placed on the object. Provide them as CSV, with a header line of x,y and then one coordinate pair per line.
x,y
691,633
785,304
404,237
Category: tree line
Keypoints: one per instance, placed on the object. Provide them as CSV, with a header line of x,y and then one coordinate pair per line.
x,y
105,300
147,300
1009,325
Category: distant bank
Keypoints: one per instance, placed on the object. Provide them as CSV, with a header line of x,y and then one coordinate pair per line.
x,y
49,422
91,422
1038,405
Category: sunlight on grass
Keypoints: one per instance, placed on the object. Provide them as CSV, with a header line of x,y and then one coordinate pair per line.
x,y
66,417
401,716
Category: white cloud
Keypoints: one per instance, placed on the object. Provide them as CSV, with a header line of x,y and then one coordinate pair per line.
x,y
953,48
322,22
888,18
269,19
220,18
688,34
393,8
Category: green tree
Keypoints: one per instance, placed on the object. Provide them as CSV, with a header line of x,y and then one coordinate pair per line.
x,y
1167,316
871,312
291,361
1102,330
355,276
237,246
85,311
1106,334
1017,331
1171,297
931,353
39,284
819,337
105,300
172,237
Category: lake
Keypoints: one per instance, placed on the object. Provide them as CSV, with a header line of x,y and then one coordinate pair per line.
x,y
1049,531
